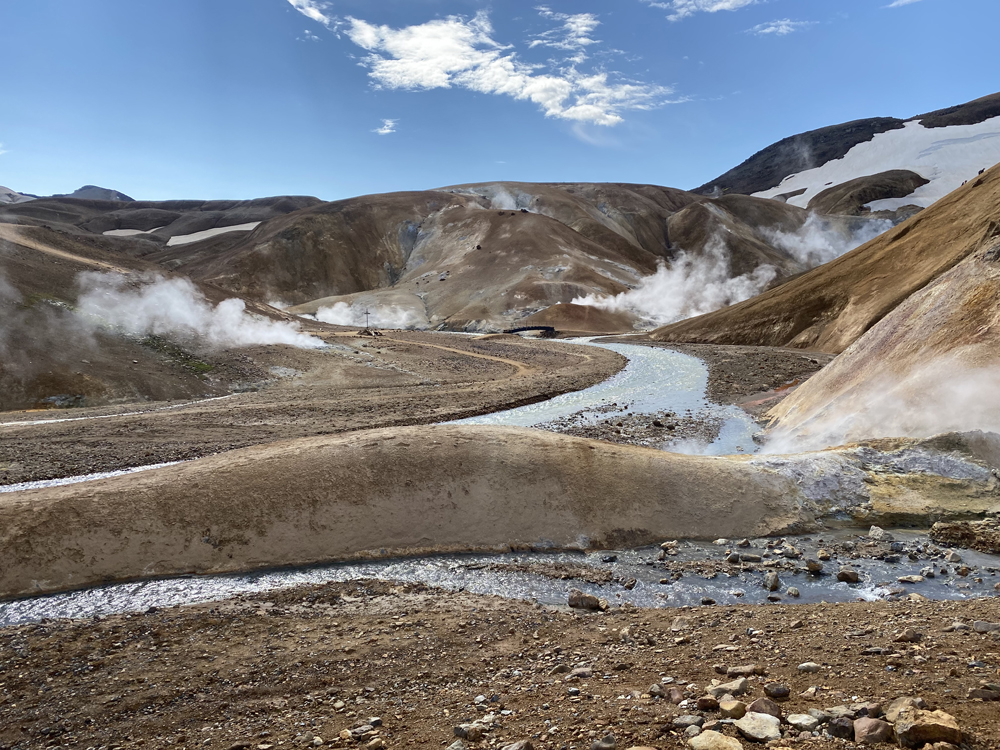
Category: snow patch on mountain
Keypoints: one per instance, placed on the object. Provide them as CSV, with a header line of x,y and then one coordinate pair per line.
x,y
946,156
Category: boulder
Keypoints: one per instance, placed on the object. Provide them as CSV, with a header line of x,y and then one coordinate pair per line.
x,y
893,709
759,727
841,728
803,722
714,741
732,709
869,731
765,706
470,732
848,575
736,687
916,728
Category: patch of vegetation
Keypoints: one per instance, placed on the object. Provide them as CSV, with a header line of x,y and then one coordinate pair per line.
x,y
176,355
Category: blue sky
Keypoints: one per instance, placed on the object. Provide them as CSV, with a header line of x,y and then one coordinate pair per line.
x,y
246,98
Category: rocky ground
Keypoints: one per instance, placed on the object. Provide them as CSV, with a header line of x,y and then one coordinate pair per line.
x,y
379,665
661,430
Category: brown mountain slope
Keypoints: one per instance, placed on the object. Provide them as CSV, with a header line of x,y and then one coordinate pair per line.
x,y
929,367
484,256
831,306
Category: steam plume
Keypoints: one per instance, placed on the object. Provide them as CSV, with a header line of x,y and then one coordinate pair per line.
x,y
944,395
819,241
174,308
385,316
691,285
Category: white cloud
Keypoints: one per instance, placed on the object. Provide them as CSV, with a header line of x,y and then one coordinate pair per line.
x,y
456,52
572,35
314,9
901,3
781,27
2,150
683,8
388,126
308,36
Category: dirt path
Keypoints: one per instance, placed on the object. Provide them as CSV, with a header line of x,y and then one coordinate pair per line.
x,y
11,233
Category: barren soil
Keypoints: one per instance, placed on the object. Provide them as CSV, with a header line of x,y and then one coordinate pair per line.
x,y
401,378
282,670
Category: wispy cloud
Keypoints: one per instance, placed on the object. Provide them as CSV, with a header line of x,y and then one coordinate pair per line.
x,y
901,3
781,27
457,52
314,9
572,35
307,36
2,150
388,126
680,9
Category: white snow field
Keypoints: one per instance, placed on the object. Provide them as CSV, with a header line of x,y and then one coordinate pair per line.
x,y
184,239
945,156
129,232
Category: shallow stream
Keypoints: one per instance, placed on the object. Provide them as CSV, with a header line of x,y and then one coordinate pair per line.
x,y
697,571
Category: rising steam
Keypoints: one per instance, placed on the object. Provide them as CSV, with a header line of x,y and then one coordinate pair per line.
x,y
691,285
175,309
945,395
381,316
819,240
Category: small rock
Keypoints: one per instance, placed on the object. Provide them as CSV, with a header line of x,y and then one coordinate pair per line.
x,y
803,722
848,575
765,706
692,731
458,745
810,667
608,742
868,731
580,600
759,727
879,534
714,741
771,581
581,673
823,555
707,601
777,691
981,626
984,694
470,732
748,558
682,722
733,558
675,695
908,636
841,728
793,592
744,670
656,690
519,745
736,687
953,557
915,728
680,623
743,543
708,703
732,709
910,579
814,566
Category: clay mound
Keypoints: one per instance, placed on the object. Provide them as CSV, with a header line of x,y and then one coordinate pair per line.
x,y
377,493
851,197
930,366
832,306
581,319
